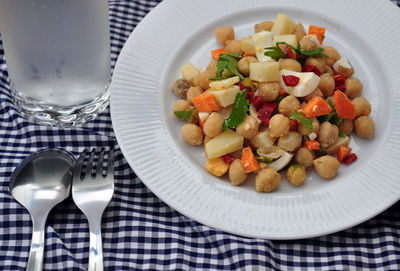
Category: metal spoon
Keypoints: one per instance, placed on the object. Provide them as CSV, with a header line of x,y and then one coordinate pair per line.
x,y
39,183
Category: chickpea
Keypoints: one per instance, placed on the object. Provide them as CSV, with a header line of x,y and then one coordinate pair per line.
x,y
267,180
180,105
296,175
333,55
269,91
263,26
202,79
289,64
326,166
307,43
279,125
244,64
304,131
326,84
234,46
365,127
327,134
354,87
318,62
288,105
192,134
180,88
345,71
317,92
299,31
193,92
346,126
361,106
329,70
213,125
237,174
304,157
212,68
248,128
225,33
291,142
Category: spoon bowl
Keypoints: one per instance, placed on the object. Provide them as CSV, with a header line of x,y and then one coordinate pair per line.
x,y
39,183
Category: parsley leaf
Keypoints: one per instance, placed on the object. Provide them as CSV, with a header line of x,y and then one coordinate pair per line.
x,y
297,166
332,117
306,122
183,114
316,53
342,134
275,52
228,62
239,111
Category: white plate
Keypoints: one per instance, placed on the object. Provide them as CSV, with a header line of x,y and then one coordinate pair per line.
x,y
367,32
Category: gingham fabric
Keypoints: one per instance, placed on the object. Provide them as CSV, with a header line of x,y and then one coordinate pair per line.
x,y
140,232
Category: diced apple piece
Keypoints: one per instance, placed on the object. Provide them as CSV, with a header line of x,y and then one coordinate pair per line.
x,y
224,143
341,141
308,83
247,45
282,161
283,25
189,71
262,140
289,39
224,84
225,97
262,40
264,71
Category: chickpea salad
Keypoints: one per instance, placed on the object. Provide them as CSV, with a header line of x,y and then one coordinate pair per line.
x,y
279,101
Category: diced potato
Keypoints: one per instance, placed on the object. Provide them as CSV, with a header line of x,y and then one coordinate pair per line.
x,y
217,166
262,140
283,25
247,45
225,97
224,84
341,141
262,40
264,71
224,143
189,71
289,39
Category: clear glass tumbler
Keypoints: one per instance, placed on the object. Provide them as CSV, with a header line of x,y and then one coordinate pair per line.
x,y
58,58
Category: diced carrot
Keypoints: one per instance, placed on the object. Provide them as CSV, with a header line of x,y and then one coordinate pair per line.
x,y
317,31
293,124
344,107
215,53
282,92
205,103
343,151
316,107
312,144
249,161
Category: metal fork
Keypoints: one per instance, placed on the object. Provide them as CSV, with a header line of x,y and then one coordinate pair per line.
x,y
92,193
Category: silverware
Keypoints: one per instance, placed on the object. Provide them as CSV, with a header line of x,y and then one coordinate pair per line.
x,y
39,183
92,192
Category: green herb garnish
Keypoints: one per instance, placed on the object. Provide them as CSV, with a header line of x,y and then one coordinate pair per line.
x,y
320,152
332,117
239,111
263,159
306,122
183,114
342,134
275,52
227,66
279,99
297,166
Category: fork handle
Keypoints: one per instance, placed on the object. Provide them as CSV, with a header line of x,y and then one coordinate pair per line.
x,y
96,247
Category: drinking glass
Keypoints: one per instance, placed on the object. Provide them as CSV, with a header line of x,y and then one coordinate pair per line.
x,y
58,58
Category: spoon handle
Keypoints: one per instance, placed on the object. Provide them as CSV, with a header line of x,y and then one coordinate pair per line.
x,y
96,246
35,260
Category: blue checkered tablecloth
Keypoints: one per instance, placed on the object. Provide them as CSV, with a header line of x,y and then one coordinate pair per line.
x,y
139,230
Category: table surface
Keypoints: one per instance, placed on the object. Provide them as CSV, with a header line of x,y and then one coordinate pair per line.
x,y
142,232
